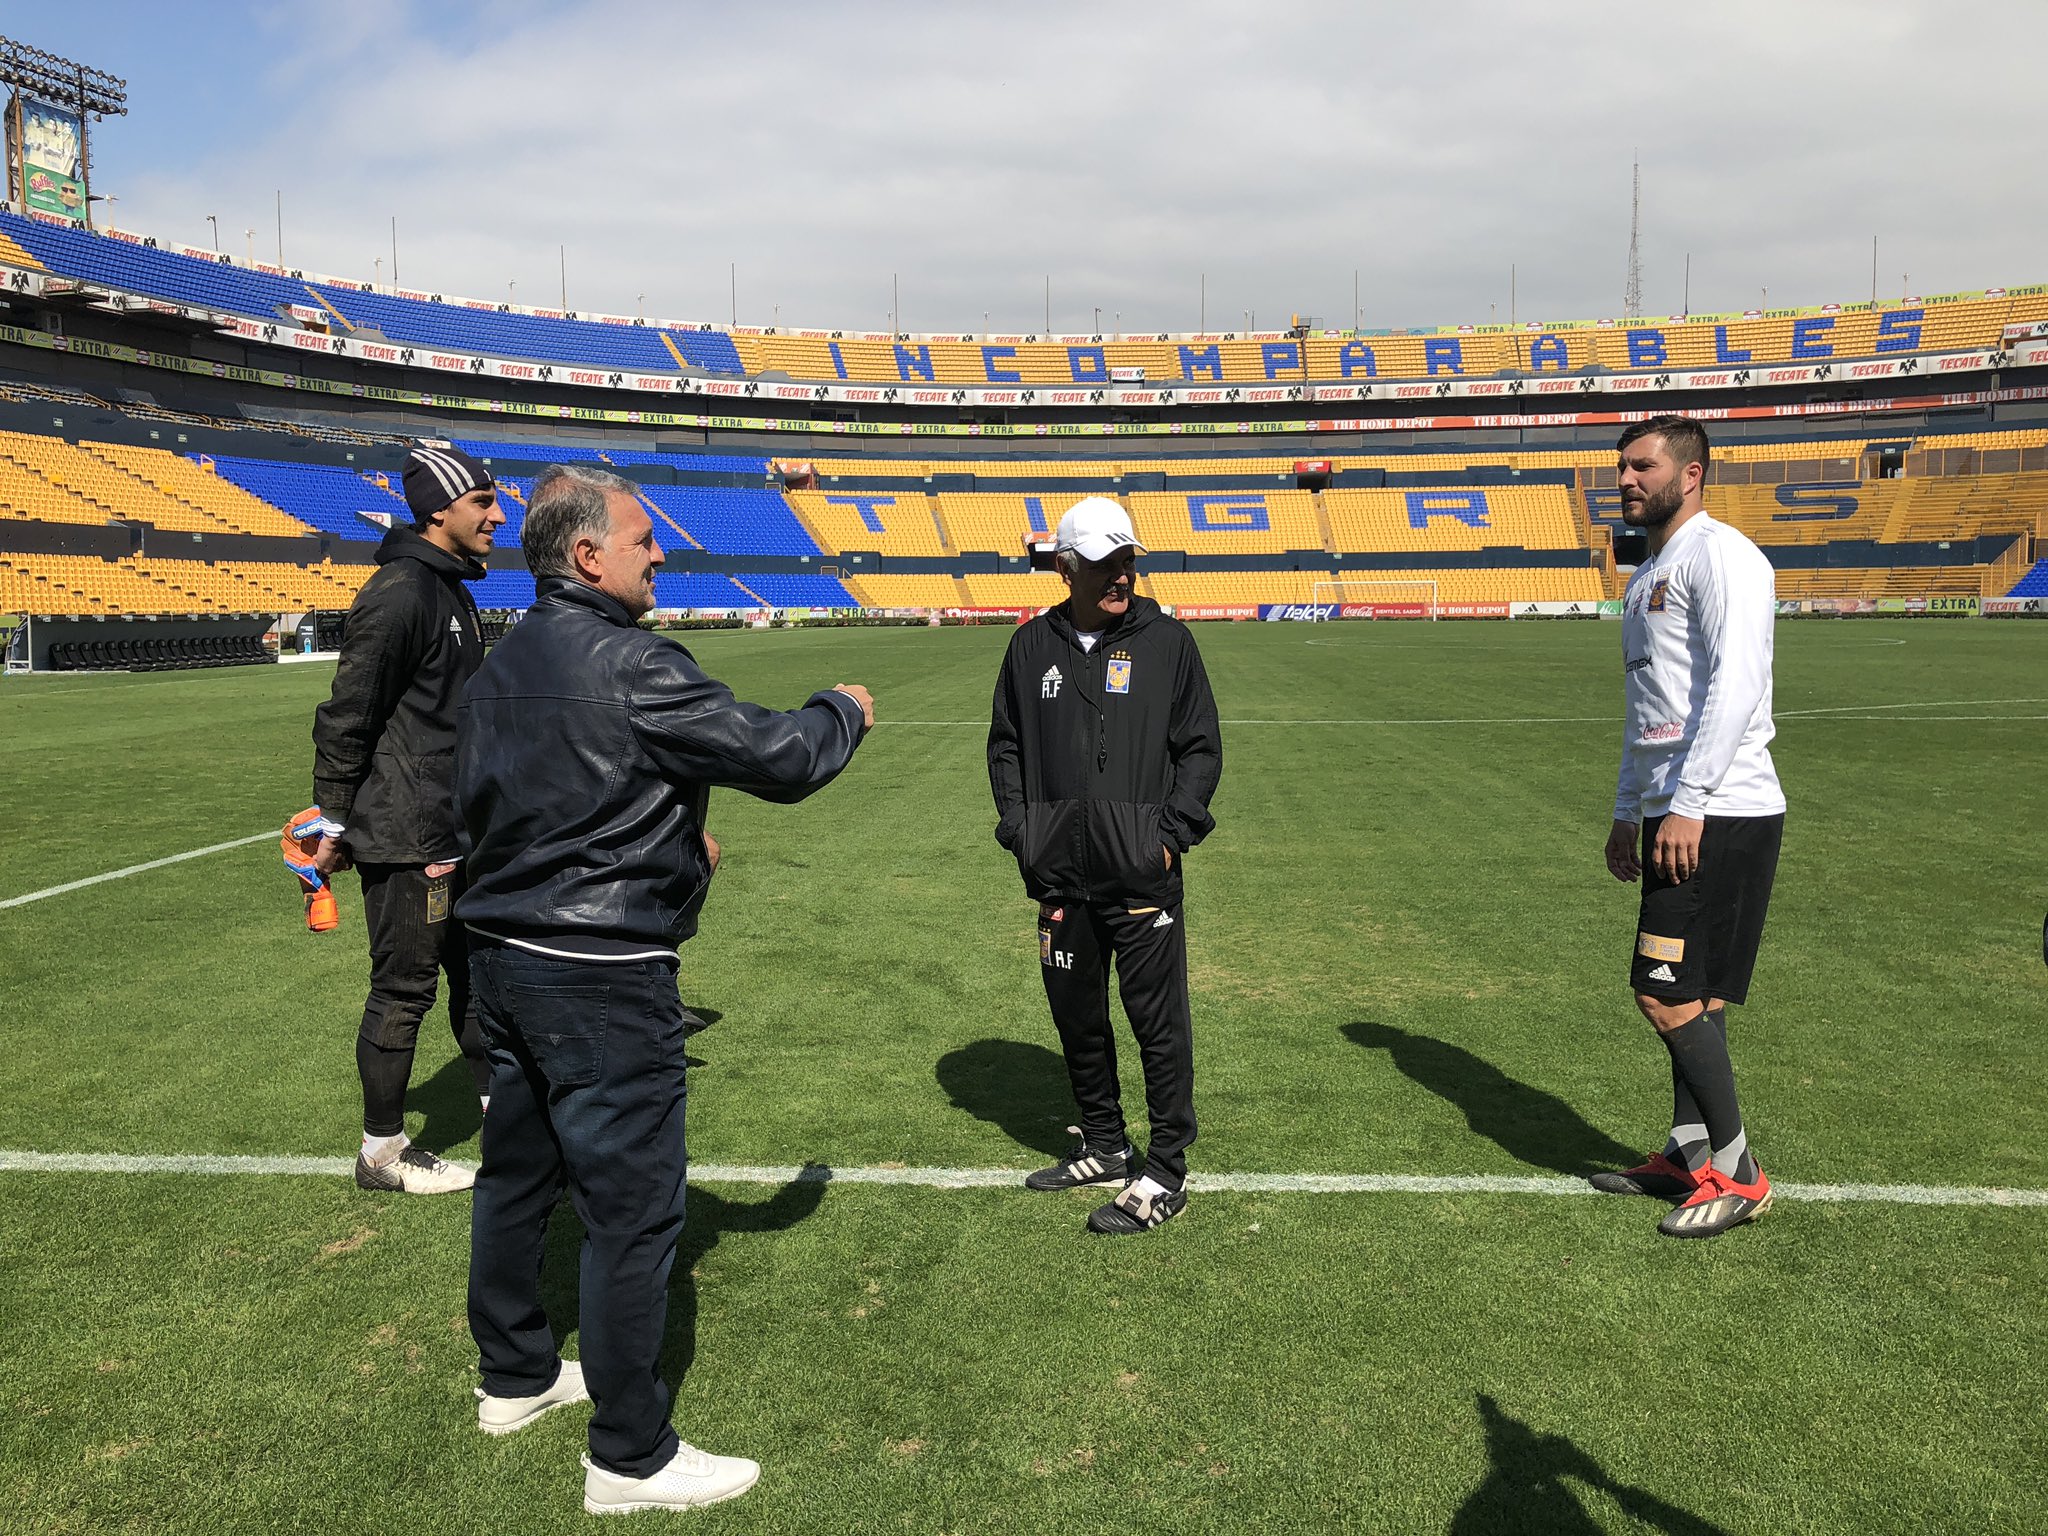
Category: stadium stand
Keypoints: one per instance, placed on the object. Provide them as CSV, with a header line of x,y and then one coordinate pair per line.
x,y
324,496
889,523
1954,322
502,589
696,589
47,479
1880,582
786,591
907,591
742,469
733,522
239,290
83,584
992,521
1227,529
195,486
1227,522
1521,517
1848,332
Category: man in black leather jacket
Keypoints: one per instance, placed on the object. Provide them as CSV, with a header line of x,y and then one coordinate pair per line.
x,y
1103,752
585,748
384,768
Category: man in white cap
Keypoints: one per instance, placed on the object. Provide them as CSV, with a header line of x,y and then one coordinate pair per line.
x,y
1103,752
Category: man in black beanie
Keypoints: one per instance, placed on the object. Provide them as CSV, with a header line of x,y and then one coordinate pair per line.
x,y
384,770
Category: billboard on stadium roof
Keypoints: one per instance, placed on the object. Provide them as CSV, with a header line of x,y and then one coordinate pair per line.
x,y
50,152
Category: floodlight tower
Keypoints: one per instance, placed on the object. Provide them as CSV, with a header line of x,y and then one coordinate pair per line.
x,y
62,95
1632,291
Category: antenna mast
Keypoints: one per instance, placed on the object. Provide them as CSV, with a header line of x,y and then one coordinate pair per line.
x,y
1632,293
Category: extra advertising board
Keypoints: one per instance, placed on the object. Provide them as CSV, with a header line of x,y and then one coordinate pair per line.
x,y
1216,611
51,155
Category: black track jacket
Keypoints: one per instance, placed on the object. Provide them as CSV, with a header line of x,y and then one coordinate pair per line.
x,y
384,742
1097,758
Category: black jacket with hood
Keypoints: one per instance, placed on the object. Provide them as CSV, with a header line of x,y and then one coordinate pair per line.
x,y
384,742
1102,758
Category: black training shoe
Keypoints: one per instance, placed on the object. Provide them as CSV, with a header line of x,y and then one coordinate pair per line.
x,y
1083,1166
694,1023
1660,1178
1133,1212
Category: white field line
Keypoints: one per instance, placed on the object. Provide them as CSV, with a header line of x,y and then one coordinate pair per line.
x,y
1843,709
134,869
1390,720
1009,1178
1831,712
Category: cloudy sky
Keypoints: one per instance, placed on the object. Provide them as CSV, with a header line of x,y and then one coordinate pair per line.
x,y
1125,150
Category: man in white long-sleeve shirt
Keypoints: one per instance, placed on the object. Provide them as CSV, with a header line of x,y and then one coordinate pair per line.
x,y
1699,795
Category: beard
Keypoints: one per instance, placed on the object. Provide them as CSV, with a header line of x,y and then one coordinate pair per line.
x,y
1654,510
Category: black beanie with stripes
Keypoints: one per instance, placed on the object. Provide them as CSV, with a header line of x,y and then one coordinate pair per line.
x,y
438,473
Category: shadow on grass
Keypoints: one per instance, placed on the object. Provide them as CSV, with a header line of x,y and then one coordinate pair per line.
x,y
1020,1089
707,1217
1528,1124
448,1106
1527,1492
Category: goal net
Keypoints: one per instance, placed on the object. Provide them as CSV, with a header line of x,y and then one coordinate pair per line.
x,y
1375,598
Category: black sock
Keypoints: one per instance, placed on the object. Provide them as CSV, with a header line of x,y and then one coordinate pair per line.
x,y
384,1074
1699,1055
1688,1142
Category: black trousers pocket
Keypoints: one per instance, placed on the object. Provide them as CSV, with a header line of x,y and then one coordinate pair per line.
x,y
564,1029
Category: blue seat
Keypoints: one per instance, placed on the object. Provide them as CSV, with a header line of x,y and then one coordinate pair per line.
x,y
504,589
735,522
73,252
783,591
327,496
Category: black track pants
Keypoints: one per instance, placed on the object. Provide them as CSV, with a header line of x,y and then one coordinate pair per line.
x,y
414,937
1076,946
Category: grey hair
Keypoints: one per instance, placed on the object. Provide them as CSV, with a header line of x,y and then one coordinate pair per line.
x,y
1068,560
569,503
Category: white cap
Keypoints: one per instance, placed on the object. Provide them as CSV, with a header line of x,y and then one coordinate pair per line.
x,y
1096,528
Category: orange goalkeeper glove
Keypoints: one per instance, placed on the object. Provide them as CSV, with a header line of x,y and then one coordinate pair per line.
x,y
300,845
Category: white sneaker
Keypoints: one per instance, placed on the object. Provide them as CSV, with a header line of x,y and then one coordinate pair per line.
x,y
691,1478
415,1171
502,1415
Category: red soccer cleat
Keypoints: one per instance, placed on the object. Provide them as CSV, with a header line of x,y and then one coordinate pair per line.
x,y
1719,1203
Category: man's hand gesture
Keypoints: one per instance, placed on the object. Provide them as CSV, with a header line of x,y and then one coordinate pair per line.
x,y
860,696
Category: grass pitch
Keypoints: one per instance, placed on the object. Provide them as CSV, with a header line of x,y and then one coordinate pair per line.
x,y
1407,958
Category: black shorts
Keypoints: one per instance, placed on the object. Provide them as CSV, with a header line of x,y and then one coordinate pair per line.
x,y
1697,939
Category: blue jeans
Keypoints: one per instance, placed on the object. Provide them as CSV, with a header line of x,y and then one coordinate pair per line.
x,y
586,1092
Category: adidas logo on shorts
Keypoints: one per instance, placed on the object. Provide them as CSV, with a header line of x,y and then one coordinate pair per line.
x,y
1165,920
1660,973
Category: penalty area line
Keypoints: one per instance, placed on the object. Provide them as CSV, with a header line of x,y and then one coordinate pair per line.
x,y
134,869
1012,1178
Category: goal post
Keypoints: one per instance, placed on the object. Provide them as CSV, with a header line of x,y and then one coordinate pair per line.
x,y
1376,598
